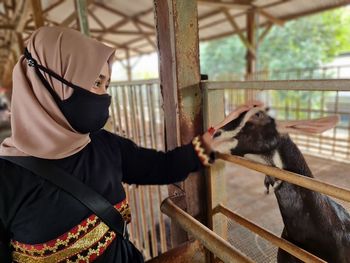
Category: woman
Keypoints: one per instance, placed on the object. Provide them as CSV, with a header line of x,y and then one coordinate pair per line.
x,y
59,105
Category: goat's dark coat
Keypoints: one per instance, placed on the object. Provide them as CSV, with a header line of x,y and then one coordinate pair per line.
x,y
312,220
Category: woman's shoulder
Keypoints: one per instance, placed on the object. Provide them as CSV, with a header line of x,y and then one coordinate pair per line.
x,y
12,172
16,183
108,137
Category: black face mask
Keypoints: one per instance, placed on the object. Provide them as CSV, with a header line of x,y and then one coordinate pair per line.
x,y
85,111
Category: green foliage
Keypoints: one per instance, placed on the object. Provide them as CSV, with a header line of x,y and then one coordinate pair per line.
x,y
301,43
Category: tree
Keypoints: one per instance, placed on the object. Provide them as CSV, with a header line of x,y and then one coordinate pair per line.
x,y
305,42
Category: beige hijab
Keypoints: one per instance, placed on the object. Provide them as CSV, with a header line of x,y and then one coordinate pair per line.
x,y
38,127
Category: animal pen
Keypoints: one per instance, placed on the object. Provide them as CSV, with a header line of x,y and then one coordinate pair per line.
x,y
226,211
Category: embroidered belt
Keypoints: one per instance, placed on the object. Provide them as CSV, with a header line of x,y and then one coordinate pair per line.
x,y
83,243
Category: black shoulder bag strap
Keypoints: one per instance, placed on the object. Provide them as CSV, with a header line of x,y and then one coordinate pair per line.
x,y
83,193
5,254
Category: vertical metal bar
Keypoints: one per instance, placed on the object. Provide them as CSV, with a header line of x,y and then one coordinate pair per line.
x,y
133,115
311,73
151,114
152,105
163,240
137,217
151,142
112,109
298,110
130,226
144,134
152,222
120,124
128,65
298,74
125,110
82,15
322,114
309,93
348,140
335,128
144,222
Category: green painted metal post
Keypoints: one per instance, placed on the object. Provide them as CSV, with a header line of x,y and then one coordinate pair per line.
x,y
82,16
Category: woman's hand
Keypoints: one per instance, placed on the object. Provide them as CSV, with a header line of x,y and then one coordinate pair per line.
x,y
207,138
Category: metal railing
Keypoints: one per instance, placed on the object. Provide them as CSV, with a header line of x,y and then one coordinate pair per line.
x,y
299,99
221,97
208,238
325,72
136,112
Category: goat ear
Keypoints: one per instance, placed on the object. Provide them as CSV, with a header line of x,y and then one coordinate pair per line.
x,y
313,126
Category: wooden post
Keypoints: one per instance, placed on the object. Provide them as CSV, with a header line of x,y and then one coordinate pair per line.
x,y
178,49
251,57
37,13
82,15
128,65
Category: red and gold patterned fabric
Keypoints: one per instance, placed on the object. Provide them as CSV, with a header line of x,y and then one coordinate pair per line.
x,y
83,243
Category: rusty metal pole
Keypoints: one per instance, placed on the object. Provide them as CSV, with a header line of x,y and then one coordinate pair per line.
x,y
178,49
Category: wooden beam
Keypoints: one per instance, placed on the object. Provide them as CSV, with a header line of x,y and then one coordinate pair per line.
x,y
264,33
117,12
225,4
97,20
73,15
270,17
123,46
21,15
7,27
147,37
234,25
49,8
128,65
122,32
125,20
37,13
251,52
81,10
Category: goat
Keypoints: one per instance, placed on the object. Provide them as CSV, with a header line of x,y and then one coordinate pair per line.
x,y
312,221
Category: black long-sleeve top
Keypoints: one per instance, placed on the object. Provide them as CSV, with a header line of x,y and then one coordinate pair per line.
x,y
34,211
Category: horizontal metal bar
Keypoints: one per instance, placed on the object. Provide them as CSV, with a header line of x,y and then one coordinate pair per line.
x,y
301,70
319,84
297,179
213,242
135,82
264,233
